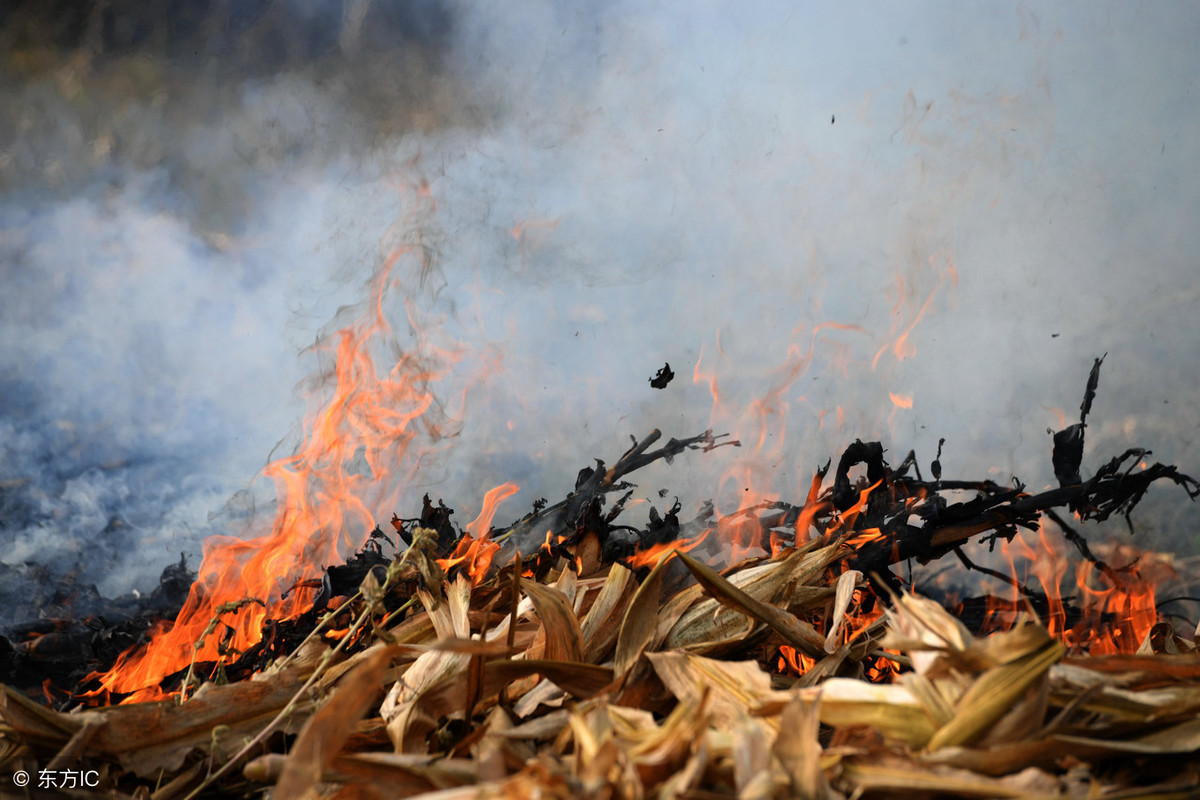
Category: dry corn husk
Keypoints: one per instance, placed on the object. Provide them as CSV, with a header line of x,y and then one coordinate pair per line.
x,y
607,688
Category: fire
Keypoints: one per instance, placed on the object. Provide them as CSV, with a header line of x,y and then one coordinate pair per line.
x,y
1094,609
869,535
848,516
900,346
651,555
791,659
761,426
475,549
1117,604
862,611
353,460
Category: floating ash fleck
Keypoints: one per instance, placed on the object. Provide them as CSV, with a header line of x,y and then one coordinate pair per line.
x,y
663,377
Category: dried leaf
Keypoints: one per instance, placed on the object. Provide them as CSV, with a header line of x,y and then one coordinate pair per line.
x,y
662,751
406,728
39,725
546,693
327,730
891,709
921,628
1002,647
564,640
578,679
733,687
1161,638
568,584
1181,738
712,628
423,553
912,779
795,632
490,752
1002,759
939,708
1133,670
710,625
599,627
685,780
149,738
751,751
1026,716
446,695
994,694
399,773
638,626
799,751
843,594
589,554
599,761
1122,705
541,728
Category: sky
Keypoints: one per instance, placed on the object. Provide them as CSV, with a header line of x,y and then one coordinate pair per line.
x,y
823,206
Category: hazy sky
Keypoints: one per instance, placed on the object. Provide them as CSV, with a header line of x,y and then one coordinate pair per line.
x,y
186,202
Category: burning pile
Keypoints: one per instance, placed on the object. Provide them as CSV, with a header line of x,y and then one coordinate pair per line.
x,y
616,661
780,649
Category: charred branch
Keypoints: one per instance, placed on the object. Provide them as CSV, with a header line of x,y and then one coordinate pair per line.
x,y
581,511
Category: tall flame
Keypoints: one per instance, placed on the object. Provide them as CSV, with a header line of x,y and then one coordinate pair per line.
x,y
761,426
1116,606
353,460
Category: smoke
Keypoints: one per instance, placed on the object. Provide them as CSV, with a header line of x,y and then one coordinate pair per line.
x,y
659,180
189,196
192,190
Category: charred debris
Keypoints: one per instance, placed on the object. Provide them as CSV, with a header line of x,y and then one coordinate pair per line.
x,y
908,516
619,665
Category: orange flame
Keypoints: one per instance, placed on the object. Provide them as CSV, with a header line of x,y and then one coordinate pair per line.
x,y
900,346
791,659
651,555
1116,606
476,548
325,499
761,426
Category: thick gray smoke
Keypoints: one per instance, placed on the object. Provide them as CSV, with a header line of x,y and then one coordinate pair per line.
x,y
191,191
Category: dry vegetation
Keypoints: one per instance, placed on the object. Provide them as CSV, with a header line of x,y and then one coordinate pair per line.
x,y
602,685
